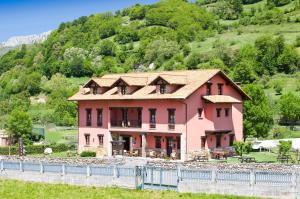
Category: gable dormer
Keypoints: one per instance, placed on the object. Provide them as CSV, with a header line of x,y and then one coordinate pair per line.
x,y
99,86
168,83
127,85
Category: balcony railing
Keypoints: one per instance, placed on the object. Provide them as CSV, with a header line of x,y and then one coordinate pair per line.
x,y
124,124
171,126
152,125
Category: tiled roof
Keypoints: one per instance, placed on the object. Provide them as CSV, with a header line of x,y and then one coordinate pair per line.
x,y
102,82
189,80
220,99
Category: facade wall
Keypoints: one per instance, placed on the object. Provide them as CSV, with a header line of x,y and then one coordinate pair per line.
x,y
196,127
186,118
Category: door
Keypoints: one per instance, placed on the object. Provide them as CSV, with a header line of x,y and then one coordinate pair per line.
x,y
218,140
126,143
169,146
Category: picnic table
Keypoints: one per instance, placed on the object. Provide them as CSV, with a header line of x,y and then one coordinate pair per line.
x,y
283,158
201,158
246,159
219,154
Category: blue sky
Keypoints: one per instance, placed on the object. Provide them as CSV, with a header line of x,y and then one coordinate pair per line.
x,y
25,17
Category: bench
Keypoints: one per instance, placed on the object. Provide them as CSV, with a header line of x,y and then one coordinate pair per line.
x,y
246,159
283,159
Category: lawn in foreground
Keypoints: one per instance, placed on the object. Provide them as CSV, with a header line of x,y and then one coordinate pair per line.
x,y
11,189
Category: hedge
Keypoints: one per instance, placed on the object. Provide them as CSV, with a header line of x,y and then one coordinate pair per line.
x,y
88,154
34,149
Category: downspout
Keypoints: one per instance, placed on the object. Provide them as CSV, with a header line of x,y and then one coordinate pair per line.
x,y
186,119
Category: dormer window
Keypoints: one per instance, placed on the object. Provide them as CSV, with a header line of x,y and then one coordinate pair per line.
x,y
162,89
123,89
208,88
220,89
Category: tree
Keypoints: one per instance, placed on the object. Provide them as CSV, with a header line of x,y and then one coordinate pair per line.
x,y
19,125
289,60
258,114
289,106
244,72
242,147
284,147
107,48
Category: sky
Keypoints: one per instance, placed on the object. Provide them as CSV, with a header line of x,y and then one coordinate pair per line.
x,y
25,17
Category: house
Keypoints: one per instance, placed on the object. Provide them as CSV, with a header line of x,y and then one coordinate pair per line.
x,y
161,113
4,139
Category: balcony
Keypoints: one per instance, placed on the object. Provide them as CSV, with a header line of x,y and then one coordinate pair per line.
x,y
126,124
126,117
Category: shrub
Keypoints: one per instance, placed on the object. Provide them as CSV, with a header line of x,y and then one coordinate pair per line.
x,y
88,154
242,147
33,149
284,147
278,87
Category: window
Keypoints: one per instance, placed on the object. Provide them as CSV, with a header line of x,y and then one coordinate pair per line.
x,y
100,139
220,89
208,88
218,140
152,118
88,117
231,139
157,142
218,112
227,112
123,90
171,118
203,141
200,111
162,89
178,142
99,117
87,139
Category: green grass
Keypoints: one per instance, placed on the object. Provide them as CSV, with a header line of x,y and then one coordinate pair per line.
x,y
259,157
61,135
248,35
11,189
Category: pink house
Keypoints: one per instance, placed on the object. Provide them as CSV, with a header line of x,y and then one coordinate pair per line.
x,y
159,113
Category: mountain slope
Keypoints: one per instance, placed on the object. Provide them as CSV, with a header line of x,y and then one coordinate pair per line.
x,y
169,35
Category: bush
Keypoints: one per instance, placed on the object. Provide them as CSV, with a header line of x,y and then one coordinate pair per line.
x,y
284,147
33,149
88,154
242,147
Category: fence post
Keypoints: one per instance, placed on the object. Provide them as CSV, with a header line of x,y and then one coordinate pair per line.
x,y
41,167
116,171
179,175
2,165
294,179
21,166
252,177
160,177
88,171
214,175
63,169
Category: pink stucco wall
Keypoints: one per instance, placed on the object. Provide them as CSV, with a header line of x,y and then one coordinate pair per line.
x,y
194,127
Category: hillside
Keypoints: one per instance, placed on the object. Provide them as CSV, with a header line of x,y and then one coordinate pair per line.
x,y
253,41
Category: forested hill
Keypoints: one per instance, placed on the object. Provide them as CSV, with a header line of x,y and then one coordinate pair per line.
x,y
251,40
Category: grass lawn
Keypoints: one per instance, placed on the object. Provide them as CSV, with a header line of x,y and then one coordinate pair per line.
x,y
61,135
259,157
11,189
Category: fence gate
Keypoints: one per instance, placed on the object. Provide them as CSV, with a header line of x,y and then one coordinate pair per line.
x,y
157,178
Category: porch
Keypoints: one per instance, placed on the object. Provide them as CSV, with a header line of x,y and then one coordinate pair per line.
x,y
126,117
153,145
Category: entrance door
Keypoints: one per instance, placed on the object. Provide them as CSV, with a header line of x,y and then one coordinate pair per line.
x,y
218,140
169,146
126,143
